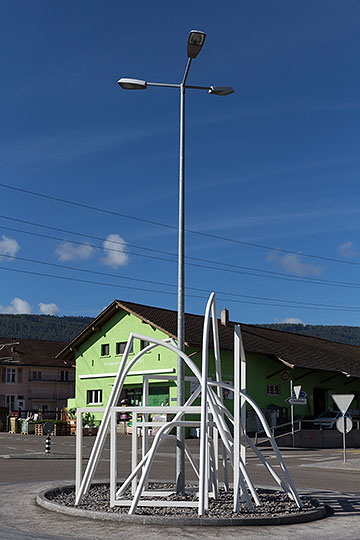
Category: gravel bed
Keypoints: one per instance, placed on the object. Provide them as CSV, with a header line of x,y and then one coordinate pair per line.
x,y
274,503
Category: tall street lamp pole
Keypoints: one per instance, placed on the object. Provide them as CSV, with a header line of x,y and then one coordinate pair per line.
x,y
195,43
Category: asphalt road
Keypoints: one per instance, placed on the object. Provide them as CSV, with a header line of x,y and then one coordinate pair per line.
x,y
313,471
300,462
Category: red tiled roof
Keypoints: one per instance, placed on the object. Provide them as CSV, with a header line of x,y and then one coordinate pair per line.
x,y
294,349
30,352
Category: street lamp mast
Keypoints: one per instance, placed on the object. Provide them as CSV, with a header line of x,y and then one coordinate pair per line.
x,y
195,43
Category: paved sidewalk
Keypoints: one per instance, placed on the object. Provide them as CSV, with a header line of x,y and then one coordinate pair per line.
x,y
22,519
349,465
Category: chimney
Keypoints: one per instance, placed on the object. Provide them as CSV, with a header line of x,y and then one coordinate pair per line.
x,y
224,316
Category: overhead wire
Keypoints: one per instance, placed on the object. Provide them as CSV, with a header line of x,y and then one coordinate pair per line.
x,y
174,227
255,272
153,250
162,283
78,280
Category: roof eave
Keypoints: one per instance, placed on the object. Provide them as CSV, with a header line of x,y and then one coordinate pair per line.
x,y
100,320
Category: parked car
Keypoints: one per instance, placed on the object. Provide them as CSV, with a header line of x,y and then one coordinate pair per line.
x,y
327,419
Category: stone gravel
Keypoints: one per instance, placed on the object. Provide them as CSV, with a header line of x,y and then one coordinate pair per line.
x,y
274,503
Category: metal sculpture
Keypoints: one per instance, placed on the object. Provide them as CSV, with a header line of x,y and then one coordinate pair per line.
x,y
214,429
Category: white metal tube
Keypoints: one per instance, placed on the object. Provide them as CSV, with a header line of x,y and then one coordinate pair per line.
x,y
145,402
79,450
113,457
101,436
271,470
218,377
292,489
227,439
191,460
216,456
149,458
242,400
157,441
113,399
204,409
236,447
134,450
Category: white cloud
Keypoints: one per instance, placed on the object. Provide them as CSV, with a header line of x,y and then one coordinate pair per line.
x,y
115,249
294,265
17,306
347,249
8,246
48,309
70,252
291,320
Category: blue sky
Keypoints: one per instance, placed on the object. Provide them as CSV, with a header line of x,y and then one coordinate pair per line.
x,y
271,171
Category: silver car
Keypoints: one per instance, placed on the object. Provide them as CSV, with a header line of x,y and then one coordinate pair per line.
x,y
327,419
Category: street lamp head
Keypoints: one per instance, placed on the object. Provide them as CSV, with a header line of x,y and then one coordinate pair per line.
x,y
132,84
195,43
221,90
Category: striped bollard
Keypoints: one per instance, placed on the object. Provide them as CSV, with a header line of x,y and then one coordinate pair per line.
x,y
48,444
48,428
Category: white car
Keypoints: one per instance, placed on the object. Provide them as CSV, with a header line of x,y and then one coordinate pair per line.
x,y
327,419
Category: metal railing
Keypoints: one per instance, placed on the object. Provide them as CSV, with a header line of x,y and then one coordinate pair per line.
x,y
298,426
286,430
309,424
50,378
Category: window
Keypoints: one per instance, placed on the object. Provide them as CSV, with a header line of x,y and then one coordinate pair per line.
x,y
105,349
120,347
134,395
144,344
273,390
94,397
64,376
10,402
36,375
11,375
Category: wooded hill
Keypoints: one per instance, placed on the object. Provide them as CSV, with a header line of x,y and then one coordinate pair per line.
x,y
52,328
46,327
341,334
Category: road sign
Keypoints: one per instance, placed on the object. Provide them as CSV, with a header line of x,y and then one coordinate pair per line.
x,y
302,394
299,401
340,424
343,401
297,390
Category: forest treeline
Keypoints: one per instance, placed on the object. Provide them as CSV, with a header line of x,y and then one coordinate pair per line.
x,y
341,334
46,327
53,328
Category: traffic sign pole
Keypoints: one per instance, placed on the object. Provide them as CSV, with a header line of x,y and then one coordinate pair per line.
x,y
343,401
344,436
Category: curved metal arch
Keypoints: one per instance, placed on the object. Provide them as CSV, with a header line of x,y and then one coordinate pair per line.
x,y
211,402
114,396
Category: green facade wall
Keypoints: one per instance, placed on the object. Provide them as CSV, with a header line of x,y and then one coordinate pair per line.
x,y
89,360
263,373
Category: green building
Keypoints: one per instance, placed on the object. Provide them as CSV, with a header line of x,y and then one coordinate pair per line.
x,y
274,358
